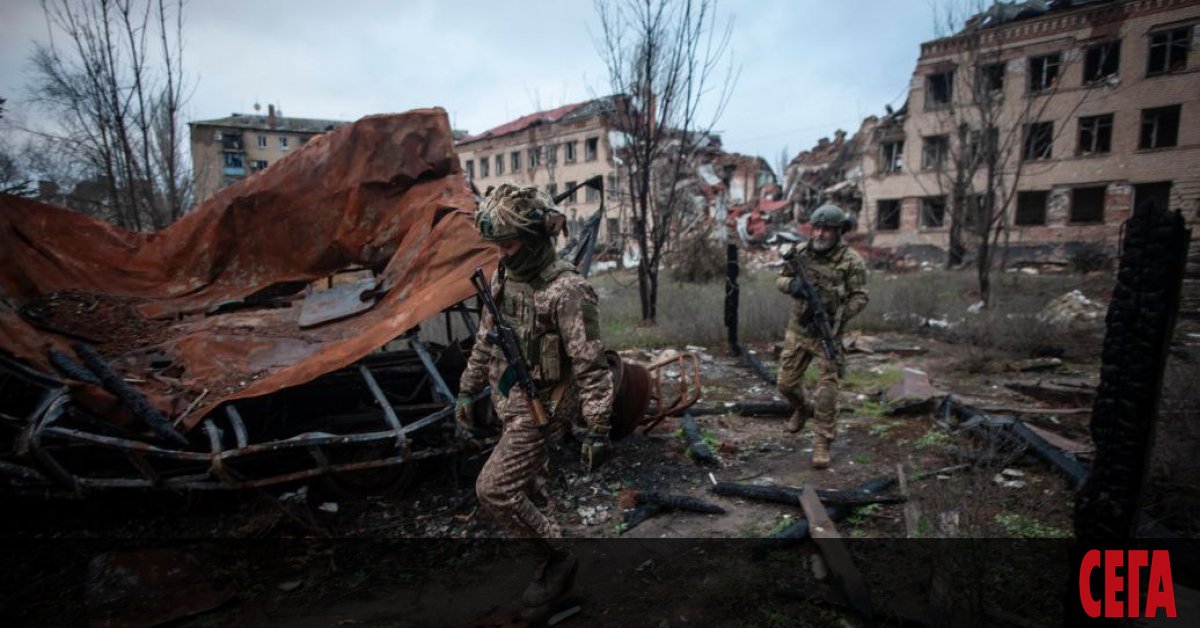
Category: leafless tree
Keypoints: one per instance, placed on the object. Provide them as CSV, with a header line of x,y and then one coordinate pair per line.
x,y
666,58
111,80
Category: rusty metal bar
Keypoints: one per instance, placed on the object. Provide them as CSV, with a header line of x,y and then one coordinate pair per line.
x,y
124,443
439,384
239,427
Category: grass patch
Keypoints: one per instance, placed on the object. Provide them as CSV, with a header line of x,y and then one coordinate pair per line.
x,y
870,380
873,409
1018,525
934,438
861,458
881,430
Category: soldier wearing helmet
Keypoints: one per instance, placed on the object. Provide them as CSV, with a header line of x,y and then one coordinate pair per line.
x,y
839,275
553,311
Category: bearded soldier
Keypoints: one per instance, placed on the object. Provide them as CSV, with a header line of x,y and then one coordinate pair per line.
x,y
838,276
553,313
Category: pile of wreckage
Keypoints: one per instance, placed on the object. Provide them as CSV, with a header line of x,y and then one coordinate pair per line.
x,y
281,331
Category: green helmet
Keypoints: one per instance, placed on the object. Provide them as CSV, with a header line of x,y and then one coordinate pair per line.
x,y
510,211
828,216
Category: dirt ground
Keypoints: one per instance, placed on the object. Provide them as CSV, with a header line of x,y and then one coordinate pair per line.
x,y
480,583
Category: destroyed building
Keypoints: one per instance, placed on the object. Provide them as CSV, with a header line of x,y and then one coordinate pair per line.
x,y
1098,113
226,150
830,172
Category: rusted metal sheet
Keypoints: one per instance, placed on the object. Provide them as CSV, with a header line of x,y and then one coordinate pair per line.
x,y
337,302
385,193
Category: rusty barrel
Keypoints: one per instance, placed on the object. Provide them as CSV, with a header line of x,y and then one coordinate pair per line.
x,y
631,398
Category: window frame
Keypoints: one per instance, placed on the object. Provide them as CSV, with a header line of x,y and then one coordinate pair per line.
x,y
893,216
984,75
591,149
926,202
1042,211
1100,127
1075,194
1043,65
894,162
1184,43
933,102
1157,123
941,156
1028,150
1098,76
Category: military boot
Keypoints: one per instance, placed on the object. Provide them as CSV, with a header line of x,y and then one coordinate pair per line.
x,y
820,454
800,413
553,579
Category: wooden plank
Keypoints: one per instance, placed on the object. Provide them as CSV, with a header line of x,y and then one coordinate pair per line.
x,y
845,573
912,510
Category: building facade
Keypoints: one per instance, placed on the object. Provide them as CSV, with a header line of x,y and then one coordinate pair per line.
x,y
1091,109
554,150
230,149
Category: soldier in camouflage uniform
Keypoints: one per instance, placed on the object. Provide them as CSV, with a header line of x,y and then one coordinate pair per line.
x,y
553,312
839,275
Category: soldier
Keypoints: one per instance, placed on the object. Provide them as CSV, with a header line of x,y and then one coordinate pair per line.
x,y
553,312
839,275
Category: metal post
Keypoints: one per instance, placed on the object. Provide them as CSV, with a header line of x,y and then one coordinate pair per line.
x,y
731,297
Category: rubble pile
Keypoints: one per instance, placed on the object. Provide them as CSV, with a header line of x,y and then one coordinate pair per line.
x,y
1072,307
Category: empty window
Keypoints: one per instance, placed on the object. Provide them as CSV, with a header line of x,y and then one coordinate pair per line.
x,y
1101,61
535,157
569,155
936,149
1095,134
591,195
1087,204
283,143
980,149
261,141
989,82
1152,196
887,215
1160,127
552,154
591,148
499,165
1031,207
939,88
933,211
552,189
891,157
1043,72
515,158
470,168
483,167
572,196
1169,50
1039,140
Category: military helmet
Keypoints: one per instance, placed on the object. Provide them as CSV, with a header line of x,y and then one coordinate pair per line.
x,y
828,216
510,211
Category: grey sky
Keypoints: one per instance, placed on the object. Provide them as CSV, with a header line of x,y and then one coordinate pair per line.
x,y
807,68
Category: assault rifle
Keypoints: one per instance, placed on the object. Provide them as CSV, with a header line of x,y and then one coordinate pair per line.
x,y
820,316
517,373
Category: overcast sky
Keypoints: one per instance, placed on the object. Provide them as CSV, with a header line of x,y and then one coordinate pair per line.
x,y
806,67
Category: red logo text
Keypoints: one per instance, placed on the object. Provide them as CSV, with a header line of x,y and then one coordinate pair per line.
x,y
1123,571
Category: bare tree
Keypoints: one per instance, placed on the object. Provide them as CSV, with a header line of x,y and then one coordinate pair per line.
x,y
663,56
114,87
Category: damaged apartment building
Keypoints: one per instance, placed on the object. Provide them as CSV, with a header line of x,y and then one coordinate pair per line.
x,y
1091,110
554,150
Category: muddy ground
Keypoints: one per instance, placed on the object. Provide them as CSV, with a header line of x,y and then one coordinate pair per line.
x,y
323,559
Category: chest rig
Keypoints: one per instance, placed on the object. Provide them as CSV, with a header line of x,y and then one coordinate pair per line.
x,y
827,275
529,309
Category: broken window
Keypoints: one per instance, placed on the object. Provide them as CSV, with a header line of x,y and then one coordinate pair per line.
x,y
499,165
535,155
233,160
887,215
939,88
591,195
1095,134
572,196
231,141
1039,140
515,158
989,82
569,154
551,154
1152,196
1031,207
1043,72
1101,61
975,212
979,149
262,141
258,164
283,142
1169,50
552,189
470,168
933,211
936,149
591,149
483,167
1087,204
891,156
1160,127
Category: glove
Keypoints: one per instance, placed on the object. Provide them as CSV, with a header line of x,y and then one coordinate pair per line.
x,y
796,288
463,406
596,449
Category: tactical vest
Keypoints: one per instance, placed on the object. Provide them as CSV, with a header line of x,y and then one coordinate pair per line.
x,y
536,329
827,274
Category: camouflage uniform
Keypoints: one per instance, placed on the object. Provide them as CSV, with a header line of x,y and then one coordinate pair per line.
x,y
840,276
558,330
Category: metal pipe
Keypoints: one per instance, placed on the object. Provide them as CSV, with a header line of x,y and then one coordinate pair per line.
x,y
388,413
235,422
439,384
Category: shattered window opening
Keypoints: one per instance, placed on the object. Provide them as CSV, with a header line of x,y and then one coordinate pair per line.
x,y
535,155
591,149
891,157
1169,51
484,164
1160,127
569,154
233,160
574,193
1095,134
936,149
887,215
989,82
933,211
977,150
939,88
975,211
1031,207
1043,72
1039,140
1087,204
499,164
1101,61
515,157
470,168
552,154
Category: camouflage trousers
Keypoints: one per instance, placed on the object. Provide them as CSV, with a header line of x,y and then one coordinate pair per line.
x,y
800,350
512,485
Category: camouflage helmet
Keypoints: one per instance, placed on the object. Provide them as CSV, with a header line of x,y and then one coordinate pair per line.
x,y
828,216
510,211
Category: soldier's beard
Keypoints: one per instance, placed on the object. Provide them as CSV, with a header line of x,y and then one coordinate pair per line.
x,y
823,245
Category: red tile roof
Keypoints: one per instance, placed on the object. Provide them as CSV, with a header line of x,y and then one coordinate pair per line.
x,y
524,122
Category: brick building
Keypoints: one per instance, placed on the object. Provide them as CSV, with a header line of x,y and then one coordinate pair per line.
x,y
1099,113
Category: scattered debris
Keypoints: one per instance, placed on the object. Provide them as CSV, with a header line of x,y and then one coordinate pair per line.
x,y
697,449
1072,307
846,576
1035,364
1055,393
642,505
789,495
914,386
150,587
